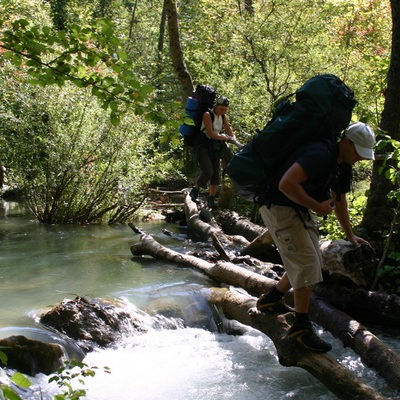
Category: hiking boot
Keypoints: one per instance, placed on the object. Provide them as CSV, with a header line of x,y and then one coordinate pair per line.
x,y
307,338
194,194
268,307
211,202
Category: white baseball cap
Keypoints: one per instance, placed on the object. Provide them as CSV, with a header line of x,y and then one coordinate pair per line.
x,y
363,138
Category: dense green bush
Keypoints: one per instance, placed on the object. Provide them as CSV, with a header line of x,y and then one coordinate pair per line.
x,y
71,164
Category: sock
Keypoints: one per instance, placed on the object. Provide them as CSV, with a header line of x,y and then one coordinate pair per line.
x,y
301,321
273,296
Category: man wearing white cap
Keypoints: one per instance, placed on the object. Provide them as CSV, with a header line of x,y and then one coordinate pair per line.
x,y
363,138
317,179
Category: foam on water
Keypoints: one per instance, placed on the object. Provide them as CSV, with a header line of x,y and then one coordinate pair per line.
x,y
191,363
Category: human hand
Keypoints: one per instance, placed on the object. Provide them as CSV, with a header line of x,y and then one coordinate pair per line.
x,y
233,140
326,207
358,240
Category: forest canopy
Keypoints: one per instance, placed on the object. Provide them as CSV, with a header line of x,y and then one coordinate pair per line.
x,y
90,94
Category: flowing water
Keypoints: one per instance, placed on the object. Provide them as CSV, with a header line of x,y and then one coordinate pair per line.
x,y
179,358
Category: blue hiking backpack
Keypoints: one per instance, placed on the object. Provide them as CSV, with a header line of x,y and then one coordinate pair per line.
x,y
201,100
321,111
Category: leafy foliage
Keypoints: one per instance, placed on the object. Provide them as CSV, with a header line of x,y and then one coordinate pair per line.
x,y
86,56
6,392
66,376
71,164
116,51
329,226
388,271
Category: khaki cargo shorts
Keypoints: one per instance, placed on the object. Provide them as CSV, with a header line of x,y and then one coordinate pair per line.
x,y
297,240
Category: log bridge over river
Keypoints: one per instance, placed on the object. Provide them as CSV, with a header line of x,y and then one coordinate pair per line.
x,y
334,306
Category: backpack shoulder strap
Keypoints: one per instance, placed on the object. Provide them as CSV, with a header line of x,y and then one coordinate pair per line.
x,y
212,114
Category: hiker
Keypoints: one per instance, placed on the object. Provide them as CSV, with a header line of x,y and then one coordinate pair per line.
x,y
300,189
208,148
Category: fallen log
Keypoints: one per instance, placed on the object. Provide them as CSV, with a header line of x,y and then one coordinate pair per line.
x,y
345,268
339,324
232,223
261,244
372,307
195,223
338,379
202,224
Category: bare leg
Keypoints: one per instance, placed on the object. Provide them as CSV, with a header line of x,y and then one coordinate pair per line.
x,y
213,190
302,299
284,284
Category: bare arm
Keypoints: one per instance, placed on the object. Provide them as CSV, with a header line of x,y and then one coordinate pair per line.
x,y
209,129
342,215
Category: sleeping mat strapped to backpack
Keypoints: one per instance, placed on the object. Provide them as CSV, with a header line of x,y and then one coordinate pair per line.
x,y
321,111
197,104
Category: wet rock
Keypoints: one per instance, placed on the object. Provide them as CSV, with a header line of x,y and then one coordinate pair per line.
x,y
347,264
31,356
99,322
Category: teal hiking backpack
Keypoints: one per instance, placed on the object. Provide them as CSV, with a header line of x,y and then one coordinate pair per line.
x,y
321,111
201,100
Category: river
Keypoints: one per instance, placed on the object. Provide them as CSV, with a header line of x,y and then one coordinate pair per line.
x,y
40,265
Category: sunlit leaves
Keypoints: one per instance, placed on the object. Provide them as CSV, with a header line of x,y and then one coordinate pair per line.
x,y
9,393
17,378
391,163
89,56
21,380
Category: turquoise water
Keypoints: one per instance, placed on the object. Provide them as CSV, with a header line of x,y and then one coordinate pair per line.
x,y
40,265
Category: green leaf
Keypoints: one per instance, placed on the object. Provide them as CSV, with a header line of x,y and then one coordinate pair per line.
x,y
3,358
10,394
122,55
21,380
16,60
31,63
8,55
106,27
81,71
20,23
113,105
46,30
115,118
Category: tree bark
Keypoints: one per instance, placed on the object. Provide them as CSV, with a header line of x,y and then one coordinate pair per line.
x,y
379,211
176,52
232,223
339,380
371,307
202,223
352,334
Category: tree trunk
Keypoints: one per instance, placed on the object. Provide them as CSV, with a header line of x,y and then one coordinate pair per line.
x,y
161,35
352,334
379,214
176,52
